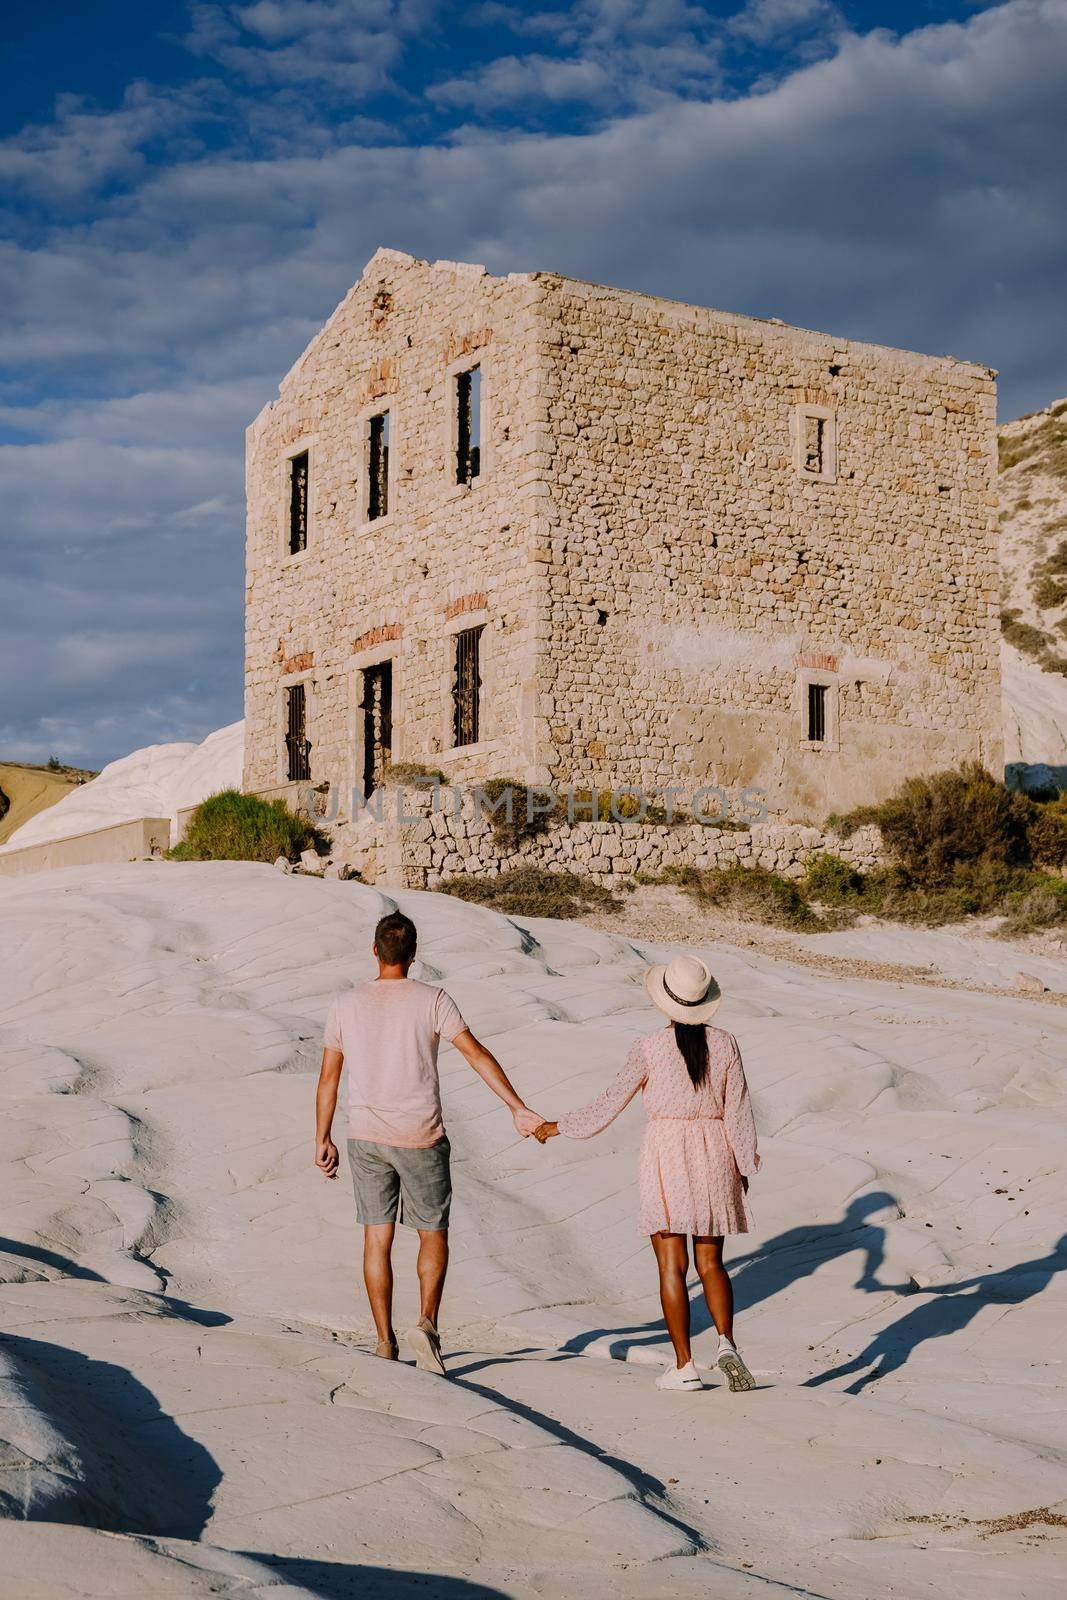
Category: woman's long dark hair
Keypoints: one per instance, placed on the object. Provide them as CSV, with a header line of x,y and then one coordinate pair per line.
x,y
692,1041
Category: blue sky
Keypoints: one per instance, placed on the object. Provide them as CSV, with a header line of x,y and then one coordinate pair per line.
x,y
190,186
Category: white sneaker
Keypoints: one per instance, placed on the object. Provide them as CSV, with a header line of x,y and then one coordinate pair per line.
x,y
686,1377
732,1365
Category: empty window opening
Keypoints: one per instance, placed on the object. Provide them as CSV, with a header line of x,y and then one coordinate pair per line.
x,y
298,503
816,718
466,687
468,425
814,443
377,711
297,748
378,467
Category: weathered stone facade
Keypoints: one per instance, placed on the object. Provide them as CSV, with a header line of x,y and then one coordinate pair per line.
x,y
683,521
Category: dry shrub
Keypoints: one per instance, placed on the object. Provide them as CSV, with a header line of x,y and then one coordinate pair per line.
x,y
751,892
932,824
534,892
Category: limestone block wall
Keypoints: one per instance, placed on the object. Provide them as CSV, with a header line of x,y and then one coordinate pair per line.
x,y
699,574
422,844
446,555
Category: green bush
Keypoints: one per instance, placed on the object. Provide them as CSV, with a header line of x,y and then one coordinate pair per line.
x,y
933,823
1047,832
534,892
1043,904
241,827
832,882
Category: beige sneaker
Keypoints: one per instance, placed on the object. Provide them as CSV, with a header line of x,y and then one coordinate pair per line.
x,y
424,1342
686,1377
732,1365
386,1348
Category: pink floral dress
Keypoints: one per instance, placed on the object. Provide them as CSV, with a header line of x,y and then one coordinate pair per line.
x,y
698,1143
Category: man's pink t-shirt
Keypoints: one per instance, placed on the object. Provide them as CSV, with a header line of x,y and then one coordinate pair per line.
x,y
389,1030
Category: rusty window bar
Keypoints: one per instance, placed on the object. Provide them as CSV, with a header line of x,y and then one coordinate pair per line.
x,y
377,708
298,503
466,688
378,467
296,743
817,712
468,425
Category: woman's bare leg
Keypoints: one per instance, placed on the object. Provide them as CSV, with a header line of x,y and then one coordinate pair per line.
x,y
715,1281
672,1258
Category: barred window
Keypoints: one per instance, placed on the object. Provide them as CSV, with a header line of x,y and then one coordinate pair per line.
x,y
815,728
297,748
466,687
298,503
378,467
377,709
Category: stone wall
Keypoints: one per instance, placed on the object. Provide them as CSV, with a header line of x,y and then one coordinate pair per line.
x,y
446,556
699,575
424,844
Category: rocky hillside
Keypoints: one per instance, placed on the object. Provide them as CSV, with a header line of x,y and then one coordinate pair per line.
x,y
1033,519
1033,516
26,790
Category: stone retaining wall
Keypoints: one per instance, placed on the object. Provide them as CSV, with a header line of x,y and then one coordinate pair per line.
x,y
425,845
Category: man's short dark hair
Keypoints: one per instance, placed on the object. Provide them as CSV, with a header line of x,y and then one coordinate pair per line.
x,y
395,939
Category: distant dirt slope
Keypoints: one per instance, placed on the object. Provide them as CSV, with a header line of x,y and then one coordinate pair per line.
x,y
1033,558
28,790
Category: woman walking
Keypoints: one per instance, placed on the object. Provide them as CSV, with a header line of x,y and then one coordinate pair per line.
x,y
698,1154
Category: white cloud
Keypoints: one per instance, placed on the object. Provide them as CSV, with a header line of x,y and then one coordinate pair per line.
x,y
768,21
910,191
350,47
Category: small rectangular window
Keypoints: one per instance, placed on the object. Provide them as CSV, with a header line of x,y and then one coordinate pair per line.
x,y
377,709
297,748
468,425
816,718
378,467
466,687
298,503
814,444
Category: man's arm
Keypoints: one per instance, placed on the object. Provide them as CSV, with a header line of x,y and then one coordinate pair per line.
x,y
325,1106
492,1073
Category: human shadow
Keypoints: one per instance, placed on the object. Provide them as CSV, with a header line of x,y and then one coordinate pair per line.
x,y
945,1309
116,1461
123,1465
773,1266
339,1580
645,1484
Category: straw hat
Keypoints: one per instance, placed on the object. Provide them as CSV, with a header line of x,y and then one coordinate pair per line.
x,y
684,990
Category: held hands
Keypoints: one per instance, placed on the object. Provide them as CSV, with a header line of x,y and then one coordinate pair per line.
x,y
326,1157
526,1121
547,1130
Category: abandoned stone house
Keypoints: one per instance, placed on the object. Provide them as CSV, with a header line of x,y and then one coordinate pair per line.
x,y
537,528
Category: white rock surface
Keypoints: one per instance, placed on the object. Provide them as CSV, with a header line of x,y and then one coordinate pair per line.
x,y
901,1302
1035,713
158,781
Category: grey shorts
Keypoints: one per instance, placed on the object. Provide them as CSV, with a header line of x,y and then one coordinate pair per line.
x,y
396,1184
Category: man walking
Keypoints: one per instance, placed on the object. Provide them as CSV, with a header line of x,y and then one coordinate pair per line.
x,y
388,1031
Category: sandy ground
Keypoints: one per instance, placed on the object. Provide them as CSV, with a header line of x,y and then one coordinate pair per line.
x,y
30,791
188,1406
